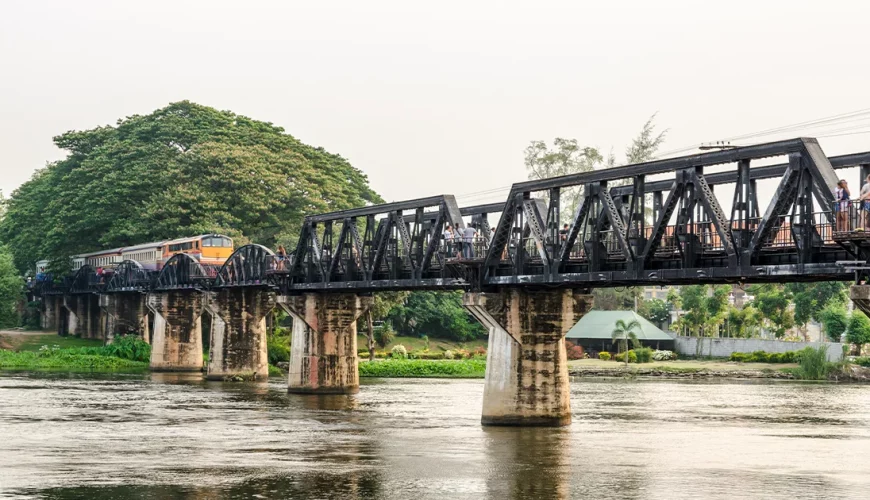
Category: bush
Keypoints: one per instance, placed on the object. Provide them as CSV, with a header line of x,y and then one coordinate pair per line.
x,y
278,349
862,361
399,352
426,355
644,355
461,354
765,357
664,355
632,357
466,368
604,356
384,335
814,363
574,351
480,352
448,355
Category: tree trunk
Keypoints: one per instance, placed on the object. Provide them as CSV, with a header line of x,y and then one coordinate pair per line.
x,y
371,335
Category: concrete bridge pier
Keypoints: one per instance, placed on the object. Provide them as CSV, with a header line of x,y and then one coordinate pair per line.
x,y
126,313
176,340
323,349
238,333
50,312
76,322
526,365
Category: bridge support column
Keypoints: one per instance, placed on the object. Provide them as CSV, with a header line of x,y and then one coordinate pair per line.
x,y
125,314
177,336
323,349
76,322
238,333
526,364
48,321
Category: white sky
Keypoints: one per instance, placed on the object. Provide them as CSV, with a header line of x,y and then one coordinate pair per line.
x,y
435,97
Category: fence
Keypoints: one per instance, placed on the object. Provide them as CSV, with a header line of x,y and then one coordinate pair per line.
x,y
723,347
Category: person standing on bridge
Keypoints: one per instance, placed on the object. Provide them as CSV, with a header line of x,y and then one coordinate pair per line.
x,y
448,240
841,206
468,235
864,206
280,255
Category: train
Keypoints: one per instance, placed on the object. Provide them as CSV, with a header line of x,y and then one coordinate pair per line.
x,y
208,249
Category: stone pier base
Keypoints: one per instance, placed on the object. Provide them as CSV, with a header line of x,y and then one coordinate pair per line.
x,y
126,313
177,335
526,366
323,350
238,333
50,312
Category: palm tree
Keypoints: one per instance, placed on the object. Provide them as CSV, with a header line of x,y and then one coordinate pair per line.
x,y
623,332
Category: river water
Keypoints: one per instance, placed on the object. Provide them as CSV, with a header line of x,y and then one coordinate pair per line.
x,y
177,436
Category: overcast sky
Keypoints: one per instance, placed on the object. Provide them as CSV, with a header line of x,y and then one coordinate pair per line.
x,y
435,97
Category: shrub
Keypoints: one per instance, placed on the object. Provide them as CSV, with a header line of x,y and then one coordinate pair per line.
x,y
664,355
466,368
384,335
480,351
814,363
765,357
448,354
278,349
399,352
644,355
461,354
632,357
862,361
575,351
604,356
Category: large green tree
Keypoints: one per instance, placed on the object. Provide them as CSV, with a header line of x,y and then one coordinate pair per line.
x,y
180,170
773,302
11,287
858,332
705,308
435,314
811,298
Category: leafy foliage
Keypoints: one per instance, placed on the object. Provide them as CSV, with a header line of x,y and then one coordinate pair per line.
x,y
858,332
705,308
604,356
623,332
437,315
656,310
181,170
11,289
616,299
773,302
834,319
278,348
459,368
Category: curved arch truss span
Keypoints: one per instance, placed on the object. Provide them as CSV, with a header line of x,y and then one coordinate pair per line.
x,y
184,272
247,266
130,276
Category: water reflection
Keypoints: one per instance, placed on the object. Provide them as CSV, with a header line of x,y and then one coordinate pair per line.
x,y
175,435
529,463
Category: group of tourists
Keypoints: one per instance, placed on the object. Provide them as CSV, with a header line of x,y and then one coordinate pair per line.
x,y
843,202
459,242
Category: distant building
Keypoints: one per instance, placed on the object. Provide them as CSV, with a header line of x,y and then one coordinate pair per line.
x,y
595,330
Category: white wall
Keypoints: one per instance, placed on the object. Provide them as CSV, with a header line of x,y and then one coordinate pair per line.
x,y
723,347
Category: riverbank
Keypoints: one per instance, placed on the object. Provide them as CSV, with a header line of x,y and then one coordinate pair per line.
x,y
419,368
704,369
44,351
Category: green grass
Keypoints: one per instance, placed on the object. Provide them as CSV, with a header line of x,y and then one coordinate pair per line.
x,y
66,359
416,368
34,342
417,344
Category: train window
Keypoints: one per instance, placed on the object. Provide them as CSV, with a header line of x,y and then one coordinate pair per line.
x,y
226,242
207,242
186,246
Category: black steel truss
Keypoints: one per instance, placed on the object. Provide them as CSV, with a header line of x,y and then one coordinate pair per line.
x,y
247,266
130,276
624,230
183,272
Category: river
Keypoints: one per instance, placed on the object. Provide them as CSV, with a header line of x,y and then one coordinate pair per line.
x,y
177,436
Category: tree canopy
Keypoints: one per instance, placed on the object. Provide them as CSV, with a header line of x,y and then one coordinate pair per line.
x,y
181,170
435,314
10,289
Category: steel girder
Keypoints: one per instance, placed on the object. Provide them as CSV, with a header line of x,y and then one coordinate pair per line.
x,y
395,246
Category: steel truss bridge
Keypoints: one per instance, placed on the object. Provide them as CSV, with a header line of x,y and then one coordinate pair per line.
x,y
626,229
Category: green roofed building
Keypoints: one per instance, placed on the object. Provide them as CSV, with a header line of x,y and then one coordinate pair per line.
x,y
595,331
